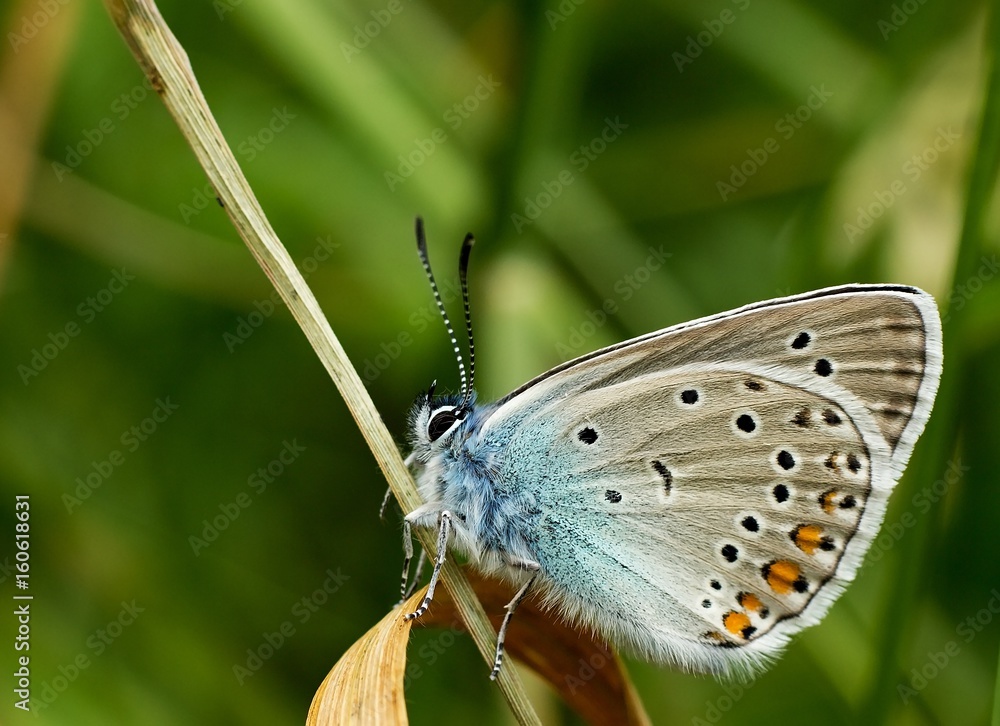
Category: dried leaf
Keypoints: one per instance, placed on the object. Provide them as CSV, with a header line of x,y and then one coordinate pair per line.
x,y
366,685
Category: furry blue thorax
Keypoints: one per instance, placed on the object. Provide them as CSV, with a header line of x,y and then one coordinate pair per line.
x,y
460,472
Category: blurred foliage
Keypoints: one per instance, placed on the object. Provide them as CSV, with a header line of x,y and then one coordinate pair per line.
x,y
486,113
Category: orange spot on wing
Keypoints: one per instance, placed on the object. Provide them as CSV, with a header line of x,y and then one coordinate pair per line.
x,y
826,500
736,622
781,575
807,537
750,602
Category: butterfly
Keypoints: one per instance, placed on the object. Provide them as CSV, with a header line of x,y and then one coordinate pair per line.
x,y
697,495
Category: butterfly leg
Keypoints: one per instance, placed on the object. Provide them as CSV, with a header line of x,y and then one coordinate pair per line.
x,y
407,557
511,607
421,561
444,530
385,503
422,517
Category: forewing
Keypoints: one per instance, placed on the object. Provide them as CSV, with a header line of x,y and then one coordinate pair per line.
x,y
880,343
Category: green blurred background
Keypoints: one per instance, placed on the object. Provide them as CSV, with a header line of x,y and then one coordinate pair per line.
x,y
766,147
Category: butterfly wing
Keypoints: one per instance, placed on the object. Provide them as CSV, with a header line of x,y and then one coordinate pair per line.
x,y
705,491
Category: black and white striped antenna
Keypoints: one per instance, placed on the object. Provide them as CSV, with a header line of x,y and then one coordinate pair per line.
x,y
463,266
463,276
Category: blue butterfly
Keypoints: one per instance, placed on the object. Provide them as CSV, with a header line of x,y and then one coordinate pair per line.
x,y
698,494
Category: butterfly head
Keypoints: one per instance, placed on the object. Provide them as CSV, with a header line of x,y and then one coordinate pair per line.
x,y
434,420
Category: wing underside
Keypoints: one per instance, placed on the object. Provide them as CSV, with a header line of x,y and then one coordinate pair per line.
x,y
708,490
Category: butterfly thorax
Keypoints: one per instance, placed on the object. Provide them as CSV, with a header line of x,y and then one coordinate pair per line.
x,y
460,474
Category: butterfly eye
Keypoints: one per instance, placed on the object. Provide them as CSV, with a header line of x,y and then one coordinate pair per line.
x,y
440,423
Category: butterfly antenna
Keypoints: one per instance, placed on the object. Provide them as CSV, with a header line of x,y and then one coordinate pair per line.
x,y
422,250
463,276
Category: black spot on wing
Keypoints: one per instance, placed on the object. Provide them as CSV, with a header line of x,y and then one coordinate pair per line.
x,y
664,472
